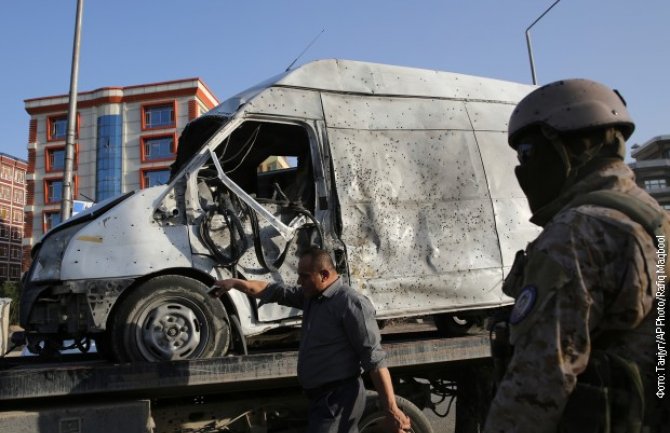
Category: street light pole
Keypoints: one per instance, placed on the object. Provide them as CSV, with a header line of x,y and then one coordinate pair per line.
x,y
66,199
530,48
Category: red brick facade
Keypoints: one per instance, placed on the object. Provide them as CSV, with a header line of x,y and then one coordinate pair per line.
x,y
32,131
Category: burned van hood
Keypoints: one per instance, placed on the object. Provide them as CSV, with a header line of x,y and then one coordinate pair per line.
x,y
89,214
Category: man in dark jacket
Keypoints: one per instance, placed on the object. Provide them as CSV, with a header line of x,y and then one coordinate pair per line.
x,y
339,338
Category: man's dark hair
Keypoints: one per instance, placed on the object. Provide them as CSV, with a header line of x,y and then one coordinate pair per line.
x,y
319,258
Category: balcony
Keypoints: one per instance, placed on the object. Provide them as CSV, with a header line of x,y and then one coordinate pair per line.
x,y
650,163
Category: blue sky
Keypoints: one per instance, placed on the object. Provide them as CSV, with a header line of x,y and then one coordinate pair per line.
x,y
233,45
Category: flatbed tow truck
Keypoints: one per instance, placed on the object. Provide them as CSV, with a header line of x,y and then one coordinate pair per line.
x,y
401,174
257,392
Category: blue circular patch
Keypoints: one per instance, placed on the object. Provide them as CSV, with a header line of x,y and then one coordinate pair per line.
x,y
524,303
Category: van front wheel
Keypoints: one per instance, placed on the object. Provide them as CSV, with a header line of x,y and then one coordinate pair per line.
x,y
170,317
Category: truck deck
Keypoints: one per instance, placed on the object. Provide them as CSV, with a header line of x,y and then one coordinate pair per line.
x,y
21,381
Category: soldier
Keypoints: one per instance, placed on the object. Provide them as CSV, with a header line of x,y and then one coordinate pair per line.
x,y
582,326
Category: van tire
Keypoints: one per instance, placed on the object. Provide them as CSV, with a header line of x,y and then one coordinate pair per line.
x,y
373,417
170,317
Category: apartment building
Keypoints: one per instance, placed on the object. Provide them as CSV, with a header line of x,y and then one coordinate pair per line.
x,y
652,168
126,139
12,200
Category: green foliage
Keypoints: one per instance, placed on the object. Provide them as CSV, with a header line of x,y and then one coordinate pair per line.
x,y
12,289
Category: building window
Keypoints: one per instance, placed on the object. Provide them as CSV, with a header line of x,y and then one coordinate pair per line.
x,y
666,153
6,173
4,231
651,184
3,251
5,192
158,148
158,116
18,216
51,220
3,271
55,159
19,197
17,234
53,190
20,176
154,177
16,253
57,128
5,214
15,272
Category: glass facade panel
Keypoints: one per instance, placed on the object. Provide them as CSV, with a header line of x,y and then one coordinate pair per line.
x,y
156,177
109,157
158,148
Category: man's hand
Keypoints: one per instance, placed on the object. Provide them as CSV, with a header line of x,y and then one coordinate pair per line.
x,y
397,421
221,286
250,287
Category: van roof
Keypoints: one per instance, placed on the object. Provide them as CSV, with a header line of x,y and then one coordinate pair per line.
x,y
379,79
349,76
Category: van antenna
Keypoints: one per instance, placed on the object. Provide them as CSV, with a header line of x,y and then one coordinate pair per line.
x,y
303,51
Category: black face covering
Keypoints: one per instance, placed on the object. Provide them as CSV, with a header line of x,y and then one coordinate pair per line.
x,y
541,174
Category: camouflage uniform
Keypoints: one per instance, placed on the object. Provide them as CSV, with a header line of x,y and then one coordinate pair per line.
x,y
592,270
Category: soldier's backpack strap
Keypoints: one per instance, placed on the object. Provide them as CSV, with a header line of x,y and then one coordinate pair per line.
x,y
642,213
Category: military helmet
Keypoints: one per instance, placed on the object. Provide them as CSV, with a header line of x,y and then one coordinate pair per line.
x,y
569,106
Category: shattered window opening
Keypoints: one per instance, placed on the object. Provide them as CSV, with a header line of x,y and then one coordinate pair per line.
x,y
271,196
269,161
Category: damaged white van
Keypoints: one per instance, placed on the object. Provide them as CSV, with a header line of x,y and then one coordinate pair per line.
x,y
404,175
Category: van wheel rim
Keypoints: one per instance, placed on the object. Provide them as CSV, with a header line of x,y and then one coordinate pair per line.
x,y
169,331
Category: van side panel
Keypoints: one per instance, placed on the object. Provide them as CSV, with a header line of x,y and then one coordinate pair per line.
x,y
509,204
418,218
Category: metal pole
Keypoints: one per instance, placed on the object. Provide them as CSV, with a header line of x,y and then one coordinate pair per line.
x,y
66,200
530,48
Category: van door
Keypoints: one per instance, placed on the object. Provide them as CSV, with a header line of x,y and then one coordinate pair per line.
x,y
276,166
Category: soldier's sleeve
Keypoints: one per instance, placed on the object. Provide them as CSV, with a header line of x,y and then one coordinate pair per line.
x,y
549,327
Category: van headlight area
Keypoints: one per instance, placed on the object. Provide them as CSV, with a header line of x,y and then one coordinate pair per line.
x,y
50,254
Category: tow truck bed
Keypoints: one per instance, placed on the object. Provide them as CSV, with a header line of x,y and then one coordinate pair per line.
x,y
228,374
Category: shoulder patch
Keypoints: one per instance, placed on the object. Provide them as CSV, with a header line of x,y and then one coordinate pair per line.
x,y
524,304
